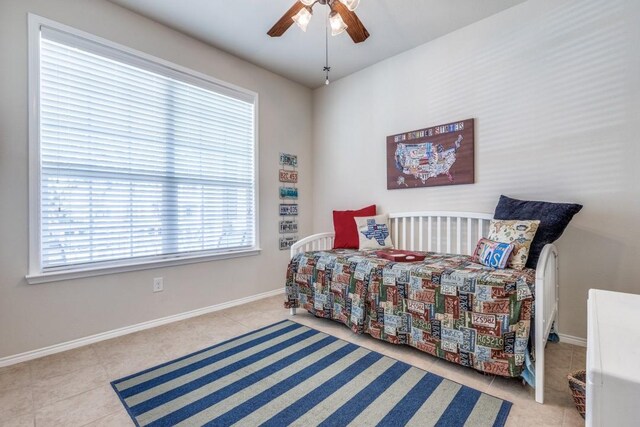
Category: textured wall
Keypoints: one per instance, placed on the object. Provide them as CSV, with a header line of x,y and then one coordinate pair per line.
x,y
554,88
34,316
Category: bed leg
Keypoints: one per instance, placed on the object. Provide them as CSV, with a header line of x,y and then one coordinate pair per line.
x,y
540,379
292,311
540,342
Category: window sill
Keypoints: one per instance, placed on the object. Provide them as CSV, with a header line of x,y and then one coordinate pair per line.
x,y
57,276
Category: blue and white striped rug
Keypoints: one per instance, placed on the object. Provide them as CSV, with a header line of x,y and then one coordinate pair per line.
x,y
290,374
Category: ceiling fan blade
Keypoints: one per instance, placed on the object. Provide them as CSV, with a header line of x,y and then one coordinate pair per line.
x,y
356,30
285,22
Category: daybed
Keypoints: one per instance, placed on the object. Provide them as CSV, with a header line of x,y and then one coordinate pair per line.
x,y
446,305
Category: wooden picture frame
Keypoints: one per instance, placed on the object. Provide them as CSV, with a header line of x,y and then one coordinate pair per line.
x,y
438,155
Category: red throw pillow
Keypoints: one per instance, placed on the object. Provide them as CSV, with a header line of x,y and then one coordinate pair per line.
x,y
345,227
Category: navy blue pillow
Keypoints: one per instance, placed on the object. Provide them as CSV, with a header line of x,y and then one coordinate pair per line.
x,y
554,218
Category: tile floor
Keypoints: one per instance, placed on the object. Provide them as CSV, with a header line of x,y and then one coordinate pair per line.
x,y
72,388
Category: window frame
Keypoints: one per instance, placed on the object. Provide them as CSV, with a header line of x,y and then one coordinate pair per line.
x,y
148,62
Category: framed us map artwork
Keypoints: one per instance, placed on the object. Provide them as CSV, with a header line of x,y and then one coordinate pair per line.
x,y
439,155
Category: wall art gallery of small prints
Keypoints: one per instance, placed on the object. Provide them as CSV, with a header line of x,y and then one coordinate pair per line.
x,y
288,226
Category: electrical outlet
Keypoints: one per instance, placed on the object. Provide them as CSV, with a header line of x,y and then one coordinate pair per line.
x,y
158,284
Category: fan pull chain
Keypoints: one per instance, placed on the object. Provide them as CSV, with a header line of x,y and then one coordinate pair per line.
x,y
326,68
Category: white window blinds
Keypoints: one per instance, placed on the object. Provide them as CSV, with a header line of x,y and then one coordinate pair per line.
x,y
139,161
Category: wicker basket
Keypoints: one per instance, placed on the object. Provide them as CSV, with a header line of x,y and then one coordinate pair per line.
x,y
577,385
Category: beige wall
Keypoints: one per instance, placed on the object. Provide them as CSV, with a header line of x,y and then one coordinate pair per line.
x,y
554,88
35,316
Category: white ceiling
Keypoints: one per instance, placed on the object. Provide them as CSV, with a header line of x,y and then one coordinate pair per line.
x,y
240,28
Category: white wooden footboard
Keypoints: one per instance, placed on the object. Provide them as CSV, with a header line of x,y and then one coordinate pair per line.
x,y
458,233
315,242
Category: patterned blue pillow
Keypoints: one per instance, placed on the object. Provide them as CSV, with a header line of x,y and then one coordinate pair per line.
x,y
492,254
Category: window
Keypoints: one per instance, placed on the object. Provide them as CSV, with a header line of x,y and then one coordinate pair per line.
x,y
138,161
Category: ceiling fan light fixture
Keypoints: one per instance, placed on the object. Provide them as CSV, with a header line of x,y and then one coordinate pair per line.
x,y
303,17
307,2
337,24
350,4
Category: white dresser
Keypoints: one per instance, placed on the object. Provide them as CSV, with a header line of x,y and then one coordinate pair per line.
x,y
613,359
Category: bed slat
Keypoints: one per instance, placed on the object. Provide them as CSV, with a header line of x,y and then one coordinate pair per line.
x,y
439,235
396,238
448,234
404,233
458,235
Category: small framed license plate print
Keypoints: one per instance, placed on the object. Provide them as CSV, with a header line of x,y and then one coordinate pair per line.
x,y
287,241
288,160
288,193
288,226
288,209
288,176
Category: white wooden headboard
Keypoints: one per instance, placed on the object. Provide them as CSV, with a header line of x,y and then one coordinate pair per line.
x,y
434,231
439,231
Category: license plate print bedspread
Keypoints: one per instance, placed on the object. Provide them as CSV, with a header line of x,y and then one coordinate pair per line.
x,y
446,305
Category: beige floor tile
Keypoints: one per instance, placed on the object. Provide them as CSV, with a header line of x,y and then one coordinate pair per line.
x,y
223,333
559,346
120,348
255,320
80,409
523,415
27,420
15,402
212,325
191,335
15,376
183,344
556,378
564,347
579,359
169,330
52,389
558,355
271,303
117,419
234,312
572,418
530,413
581,351
561,399
227,334
134,362
64,363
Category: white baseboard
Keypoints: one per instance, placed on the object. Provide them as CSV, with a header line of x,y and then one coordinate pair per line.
x,y
70,345
569,339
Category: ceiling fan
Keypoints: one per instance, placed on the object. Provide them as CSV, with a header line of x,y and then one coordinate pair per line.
x,y
342,17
